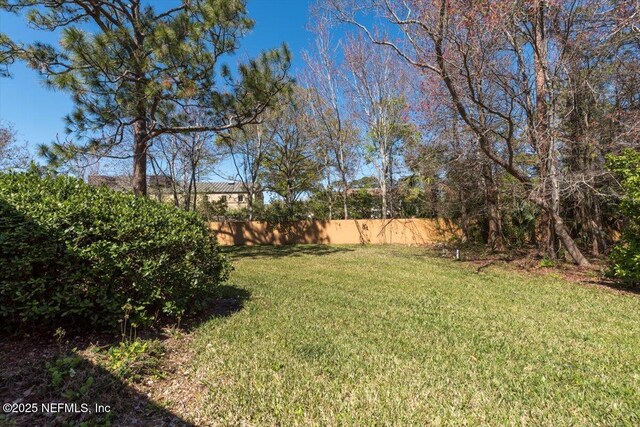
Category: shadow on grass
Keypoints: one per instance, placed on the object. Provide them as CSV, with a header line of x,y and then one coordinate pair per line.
x,y
611,284
268,251
228,301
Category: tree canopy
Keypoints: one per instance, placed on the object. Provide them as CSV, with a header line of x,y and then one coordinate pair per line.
x,y
133,68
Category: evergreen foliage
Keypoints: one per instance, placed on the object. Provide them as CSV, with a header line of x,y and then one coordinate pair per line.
x,y
625,256
88,256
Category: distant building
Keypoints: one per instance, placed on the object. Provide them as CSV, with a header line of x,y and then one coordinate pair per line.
x,y
161,188
233,193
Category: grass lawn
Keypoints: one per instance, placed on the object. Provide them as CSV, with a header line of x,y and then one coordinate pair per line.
x,y
387,335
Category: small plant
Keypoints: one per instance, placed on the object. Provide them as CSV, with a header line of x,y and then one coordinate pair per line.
x,y
59,335
70,378
68,375
134,359
128,330
173,331
547,263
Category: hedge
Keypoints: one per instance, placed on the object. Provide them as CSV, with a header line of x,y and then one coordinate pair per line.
x,y
75,254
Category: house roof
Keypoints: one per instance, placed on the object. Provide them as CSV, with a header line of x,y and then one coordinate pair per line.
x,y
123,182
220,187
113,182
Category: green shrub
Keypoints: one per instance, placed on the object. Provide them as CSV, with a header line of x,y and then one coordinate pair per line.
x,y
212,211
278,212
72,253
547,263
625,256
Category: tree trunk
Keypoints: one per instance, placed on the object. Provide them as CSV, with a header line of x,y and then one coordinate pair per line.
x,y
494,236
391,189
250,205
186,193
289,199
345,184
384,171
554,247
598,235
330,197
560,229
464,217
383,191
542,138
195,192
174,183
140,157
176,200
567,241
344,203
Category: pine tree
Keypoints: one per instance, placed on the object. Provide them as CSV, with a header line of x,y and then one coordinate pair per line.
x,y
133,69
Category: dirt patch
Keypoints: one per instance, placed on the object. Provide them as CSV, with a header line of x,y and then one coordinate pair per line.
x,y
528,261
38,369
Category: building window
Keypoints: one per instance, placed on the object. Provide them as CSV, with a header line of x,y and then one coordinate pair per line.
x,y
223,198
240,198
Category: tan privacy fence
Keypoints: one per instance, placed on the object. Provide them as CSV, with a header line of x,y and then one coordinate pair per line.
x,y
374,231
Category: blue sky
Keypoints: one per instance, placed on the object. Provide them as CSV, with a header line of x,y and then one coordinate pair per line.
x,y
37,113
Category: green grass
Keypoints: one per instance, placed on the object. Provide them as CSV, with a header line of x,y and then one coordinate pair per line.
x,y
389,336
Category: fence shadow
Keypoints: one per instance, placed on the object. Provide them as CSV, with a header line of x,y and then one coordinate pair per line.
x,y
411,231
268,251
272,233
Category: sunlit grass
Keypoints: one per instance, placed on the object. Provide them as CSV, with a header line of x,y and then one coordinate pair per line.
x,y
387,335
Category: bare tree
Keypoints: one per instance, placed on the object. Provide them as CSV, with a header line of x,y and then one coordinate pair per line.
x,y
378,90
247,148
335,133
12,155
184,158
501,64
